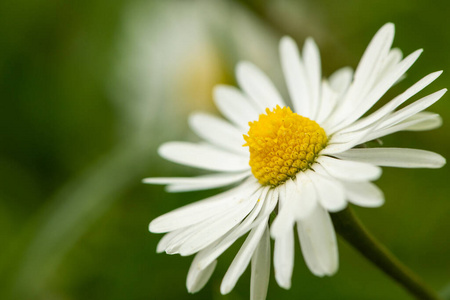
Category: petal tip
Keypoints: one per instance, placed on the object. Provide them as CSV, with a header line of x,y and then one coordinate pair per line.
x,y
243,67
162,149
283,282
441,161
310,42
219,89
155,226
151,227
286,40
337,208
389,26
225,288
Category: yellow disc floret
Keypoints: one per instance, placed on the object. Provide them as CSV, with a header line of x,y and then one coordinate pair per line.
x,y
281,144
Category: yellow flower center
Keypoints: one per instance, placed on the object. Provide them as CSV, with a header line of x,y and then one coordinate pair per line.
x,y
281,144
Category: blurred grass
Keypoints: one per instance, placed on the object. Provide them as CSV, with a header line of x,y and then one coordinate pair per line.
x,y
73,213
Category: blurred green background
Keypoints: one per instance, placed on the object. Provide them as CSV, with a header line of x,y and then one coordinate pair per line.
x,y
89,89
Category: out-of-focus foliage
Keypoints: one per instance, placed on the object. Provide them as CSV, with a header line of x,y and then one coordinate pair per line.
x,y
89,89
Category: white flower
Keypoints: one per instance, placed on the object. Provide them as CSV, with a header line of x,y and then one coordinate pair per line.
x,y
307,162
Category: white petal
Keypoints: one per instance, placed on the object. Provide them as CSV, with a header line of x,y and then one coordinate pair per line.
x,y
283,259
165,240
311,57
364,194
307,196
184,234
341,79
423,121
308,252
428,121
197,278
261,268
330,192
379,90
183,184
200,210
417,122
297,200
219,226
375,53
235,106
394,57
270,202
349,170
294,73
366,72
342,142
395,157
203,156
218,177
285,220
327,103
242,259
394,103
173,241
412,109
204,182
342,137
217,132
258,86
318,243
213,252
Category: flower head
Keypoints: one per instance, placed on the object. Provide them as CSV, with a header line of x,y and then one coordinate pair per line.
x,y
303,155
281,144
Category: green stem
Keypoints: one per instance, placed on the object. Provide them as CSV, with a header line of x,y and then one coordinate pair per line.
x,y
350,228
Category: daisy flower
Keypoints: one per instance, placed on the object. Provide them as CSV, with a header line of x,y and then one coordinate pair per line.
x,y
303,157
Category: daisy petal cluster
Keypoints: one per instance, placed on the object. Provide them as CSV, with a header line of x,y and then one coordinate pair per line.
x,y
301,155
